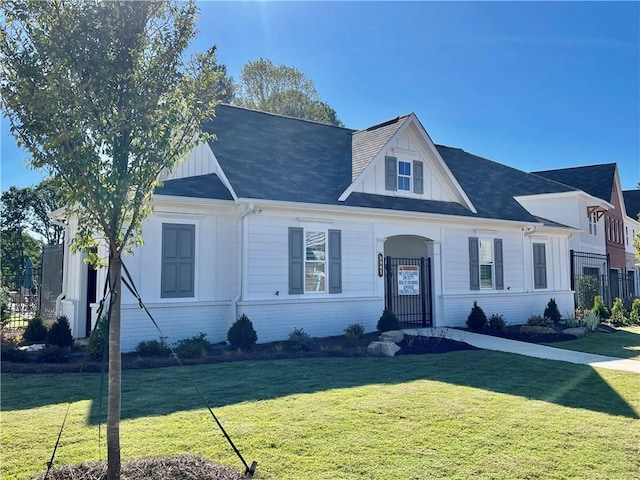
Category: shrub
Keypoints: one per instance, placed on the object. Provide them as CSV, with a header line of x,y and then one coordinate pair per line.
x,y
618,313
588,287
496,322
476,319
634,315
241,334
153,348
10,353
571,321
5,311
591,321
355,330
538,321
388,321
599,308
194,347
551,311
300,340
618,306
53,353
36,330
98,340
60,333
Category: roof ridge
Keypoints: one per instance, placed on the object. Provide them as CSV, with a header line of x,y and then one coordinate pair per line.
x,y
383,124
577,167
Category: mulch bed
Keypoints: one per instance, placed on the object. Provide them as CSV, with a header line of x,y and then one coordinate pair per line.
x,y
420,345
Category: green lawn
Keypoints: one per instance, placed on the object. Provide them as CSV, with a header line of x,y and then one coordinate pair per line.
x,y
625,343
469,414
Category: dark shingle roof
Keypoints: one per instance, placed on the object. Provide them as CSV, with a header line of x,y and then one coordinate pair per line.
x,y
632,203
596,180
491,186
271,157
367,143
202,186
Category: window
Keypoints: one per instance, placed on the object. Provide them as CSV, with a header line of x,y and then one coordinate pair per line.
x,y
539,265
404,176
315,261
485,263
626,232
593,223
178,261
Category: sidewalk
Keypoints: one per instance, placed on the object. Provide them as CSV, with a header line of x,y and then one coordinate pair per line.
x,y
489,342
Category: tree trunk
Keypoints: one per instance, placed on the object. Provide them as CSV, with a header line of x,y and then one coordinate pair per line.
x,y
115,368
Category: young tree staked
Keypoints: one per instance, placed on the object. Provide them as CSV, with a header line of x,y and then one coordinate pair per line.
x,y
100,93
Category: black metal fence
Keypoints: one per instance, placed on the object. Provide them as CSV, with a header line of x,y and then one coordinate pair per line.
x,y
23,302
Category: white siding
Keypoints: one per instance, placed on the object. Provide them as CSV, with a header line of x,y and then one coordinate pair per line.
x,y
200,161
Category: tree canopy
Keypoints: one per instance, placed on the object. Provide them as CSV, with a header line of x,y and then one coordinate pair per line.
x,y
101,94
284,90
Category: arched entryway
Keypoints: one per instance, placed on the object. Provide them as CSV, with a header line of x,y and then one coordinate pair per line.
x,y
408,276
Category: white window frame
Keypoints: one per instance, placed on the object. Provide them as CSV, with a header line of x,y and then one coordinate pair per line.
x,y
323,276
404,176
491,263
593,224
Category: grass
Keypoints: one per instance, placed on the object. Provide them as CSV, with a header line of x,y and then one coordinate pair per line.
x,y
624,343
458,415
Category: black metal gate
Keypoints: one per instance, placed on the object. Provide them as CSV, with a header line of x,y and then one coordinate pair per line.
x,y
590,277
408,290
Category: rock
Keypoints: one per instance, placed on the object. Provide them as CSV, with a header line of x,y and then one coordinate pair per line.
x,y
576,331
32,348
382,349
395,336
536,329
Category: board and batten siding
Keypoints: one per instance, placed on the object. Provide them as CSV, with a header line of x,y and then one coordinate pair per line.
x,y
199,162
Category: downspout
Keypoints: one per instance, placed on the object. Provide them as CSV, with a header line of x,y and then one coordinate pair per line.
x,y
65,265
241,247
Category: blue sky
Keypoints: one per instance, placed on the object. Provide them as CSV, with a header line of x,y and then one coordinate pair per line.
x,y
535,86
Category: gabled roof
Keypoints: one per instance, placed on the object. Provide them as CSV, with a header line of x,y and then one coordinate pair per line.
x,y
596,180
271,157
368,143
492,186
632,203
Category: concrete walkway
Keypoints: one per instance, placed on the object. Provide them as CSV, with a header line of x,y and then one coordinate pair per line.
x,y
489,342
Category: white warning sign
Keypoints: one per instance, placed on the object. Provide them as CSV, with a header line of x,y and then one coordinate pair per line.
x,y
408,279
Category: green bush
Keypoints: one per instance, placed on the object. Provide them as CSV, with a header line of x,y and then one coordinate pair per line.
x,y
300,340
53,354
153,348
5,312
551,311
599,308
10,353
194,347
98,340
588,287
388,321
60,333
538,321
571,321
242,334
634,315
36,331
476,319
591,321
355,330
496,322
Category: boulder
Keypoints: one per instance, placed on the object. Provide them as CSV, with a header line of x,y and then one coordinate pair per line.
x,y
382,349
395,336
576,331
536,329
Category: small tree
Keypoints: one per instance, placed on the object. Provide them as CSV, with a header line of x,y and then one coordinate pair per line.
x,y
388,321
36,330
599,308
242,334
551,311
476,319
60,333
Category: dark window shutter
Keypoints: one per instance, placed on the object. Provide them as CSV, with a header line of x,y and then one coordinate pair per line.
x,y
391,173
474,264
178,261
499,264
539,265
418,181
296,260
335,261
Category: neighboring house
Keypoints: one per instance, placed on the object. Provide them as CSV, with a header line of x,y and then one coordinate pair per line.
x,y
601,182
304,225
631,227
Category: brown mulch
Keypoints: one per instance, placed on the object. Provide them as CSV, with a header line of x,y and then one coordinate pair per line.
x,y
182,467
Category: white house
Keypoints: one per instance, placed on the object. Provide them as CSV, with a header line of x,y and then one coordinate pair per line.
x,y
304,225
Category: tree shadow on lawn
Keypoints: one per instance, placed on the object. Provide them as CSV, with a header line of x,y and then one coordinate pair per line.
x,y
163,391
170,390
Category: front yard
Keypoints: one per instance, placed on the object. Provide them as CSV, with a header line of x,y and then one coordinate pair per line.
x,y
467,414
623,343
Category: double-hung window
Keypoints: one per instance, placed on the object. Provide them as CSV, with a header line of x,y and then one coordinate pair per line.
x,y
486,269
315,260
593,223
404,176
539,266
